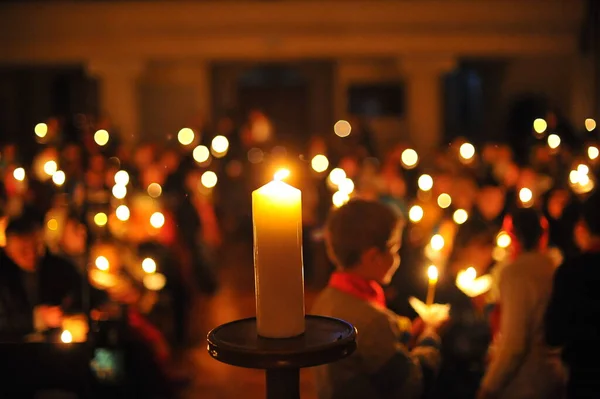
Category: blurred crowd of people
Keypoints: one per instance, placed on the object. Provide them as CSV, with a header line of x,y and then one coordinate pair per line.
x,y
143,225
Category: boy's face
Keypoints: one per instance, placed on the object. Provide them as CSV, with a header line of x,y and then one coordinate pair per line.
x,y
384,264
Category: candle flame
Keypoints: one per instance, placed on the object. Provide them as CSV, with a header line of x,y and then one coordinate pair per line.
x,y
281,174
66,337
149,265
432,274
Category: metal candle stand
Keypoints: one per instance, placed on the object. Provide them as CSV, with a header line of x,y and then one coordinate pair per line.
x,y
325,340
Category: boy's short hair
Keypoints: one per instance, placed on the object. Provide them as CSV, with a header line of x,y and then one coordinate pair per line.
x,y
357,227
22,225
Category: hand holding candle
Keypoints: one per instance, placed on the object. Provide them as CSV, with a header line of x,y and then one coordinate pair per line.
x,y
432,274
278,269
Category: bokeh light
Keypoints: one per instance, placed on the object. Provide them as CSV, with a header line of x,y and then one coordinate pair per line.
x,y
201,154
339,198
409,158
59,178
590,124
41,130
185,136
553,141
100,219
415,214
154,190
149,265
525,195
66,337
342,128
220,145
119,191
346,186
437,242
460,216
209,179
503,240
123,213
593,152
467,151
101,137
157,220
425,182
122,178
19,174
52,224
336,176
102,263
319,163
50,168
444,200
540,125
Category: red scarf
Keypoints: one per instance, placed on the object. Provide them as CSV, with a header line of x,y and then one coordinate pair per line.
x,y
358,287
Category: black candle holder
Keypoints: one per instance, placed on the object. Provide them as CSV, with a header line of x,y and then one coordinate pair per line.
x,y
325,340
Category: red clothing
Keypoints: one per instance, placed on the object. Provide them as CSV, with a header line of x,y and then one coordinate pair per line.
x,y
367,290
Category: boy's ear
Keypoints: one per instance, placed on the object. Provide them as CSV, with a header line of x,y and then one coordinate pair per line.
x,y
369,256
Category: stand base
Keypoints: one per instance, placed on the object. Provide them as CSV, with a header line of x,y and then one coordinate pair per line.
x,y
325,340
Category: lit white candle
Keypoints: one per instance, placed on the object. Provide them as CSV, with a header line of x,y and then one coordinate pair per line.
x,y
278,270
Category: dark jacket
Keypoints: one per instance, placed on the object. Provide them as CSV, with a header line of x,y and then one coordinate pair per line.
x,y
464,345
58,284
572,321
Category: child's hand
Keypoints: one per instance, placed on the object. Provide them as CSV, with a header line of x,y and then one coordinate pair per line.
x,y
432,316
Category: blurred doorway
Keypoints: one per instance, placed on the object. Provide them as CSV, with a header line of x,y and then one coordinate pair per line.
x,y
282,93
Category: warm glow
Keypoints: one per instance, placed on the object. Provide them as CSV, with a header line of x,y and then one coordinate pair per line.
x,y
590,124
415,214
410,158
281,174
154,190
593,152
503,240
525,195
19,174
553,141
425,182
574,177
157,220
50,168
122,178
220,144
346,186
499,254
444,200
319,163
540,125
119,191
123,213
460,216
339,198
471,273
66,337
209,179
185,136
432,274
437,242
336,176
201,154
100,219
342,128
101,137
149,265
583,169
52,224
154,281
255,155
41,129
59,178
102,263
467,151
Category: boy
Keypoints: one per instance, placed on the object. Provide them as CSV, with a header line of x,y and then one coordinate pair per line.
x,y
363,239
